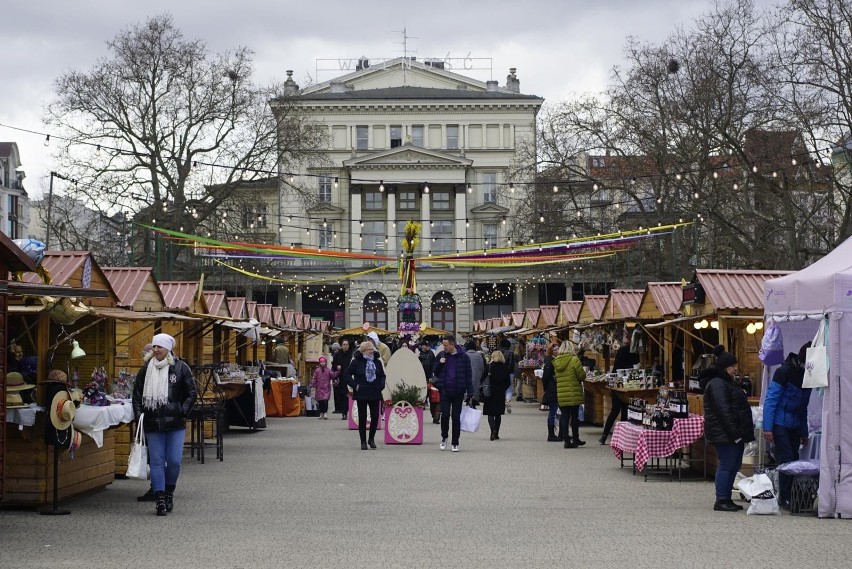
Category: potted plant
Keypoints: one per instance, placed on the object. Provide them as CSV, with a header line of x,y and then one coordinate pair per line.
x,y
404,416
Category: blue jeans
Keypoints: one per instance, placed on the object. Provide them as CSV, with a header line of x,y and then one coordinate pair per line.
x,y
165,450
730,461
786,450
451,404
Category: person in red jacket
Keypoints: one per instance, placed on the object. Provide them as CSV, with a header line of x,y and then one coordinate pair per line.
x,y
321,384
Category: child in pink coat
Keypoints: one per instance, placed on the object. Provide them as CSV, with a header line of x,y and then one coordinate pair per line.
x,y
321,384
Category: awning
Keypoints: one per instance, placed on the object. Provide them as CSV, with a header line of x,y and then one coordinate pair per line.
x,y
519,331
680,320
501,330
125,314
20,309
219,319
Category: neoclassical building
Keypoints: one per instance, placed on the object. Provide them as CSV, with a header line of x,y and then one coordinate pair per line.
x,y
408,140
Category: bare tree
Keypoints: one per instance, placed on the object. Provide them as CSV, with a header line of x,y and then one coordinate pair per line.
x,y
165,130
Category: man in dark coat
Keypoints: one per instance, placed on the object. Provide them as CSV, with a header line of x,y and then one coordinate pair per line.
x,y
728,426
785,416
624,359
339,361
453,377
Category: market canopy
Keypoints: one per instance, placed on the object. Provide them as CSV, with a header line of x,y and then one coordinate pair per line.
x,y
359,331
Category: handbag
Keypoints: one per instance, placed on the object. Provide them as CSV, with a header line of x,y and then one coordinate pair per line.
x,y
485,388
816,360
470,418
772,346
137,464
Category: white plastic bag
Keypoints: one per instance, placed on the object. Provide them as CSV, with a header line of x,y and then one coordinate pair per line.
x,y
759,490
137,464
470,419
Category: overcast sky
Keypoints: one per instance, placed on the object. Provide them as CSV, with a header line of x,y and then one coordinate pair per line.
x,y
560,47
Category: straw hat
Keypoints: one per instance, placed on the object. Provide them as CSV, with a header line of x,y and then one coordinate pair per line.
x,y
61,410
76,439
57,375
14,401
15,382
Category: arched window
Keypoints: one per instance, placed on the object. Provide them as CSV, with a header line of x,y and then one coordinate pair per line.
x,y
376,310
444,311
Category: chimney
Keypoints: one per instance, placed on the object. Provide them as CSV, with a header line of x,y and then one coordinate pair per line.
x,y
491,86
291,89
512,82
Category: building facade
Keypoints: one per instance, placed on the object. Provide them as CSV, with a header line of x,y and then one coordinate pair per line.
x,y
14,202
411,141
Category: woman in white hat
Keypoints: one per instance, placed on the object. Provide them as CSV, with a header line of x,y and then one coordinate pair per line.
x,y
165,392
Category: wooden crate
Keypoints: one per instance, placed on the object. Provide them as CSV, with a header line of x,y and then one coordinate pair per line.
x,y
29,466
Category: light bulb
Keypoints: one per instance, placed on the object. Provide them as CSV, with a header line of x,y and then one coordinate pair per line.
x,y
715,324
758,325
750,328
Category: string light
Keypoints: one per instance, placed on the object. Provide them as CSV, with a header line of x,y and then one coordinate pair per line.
x,y
335,182
47,140
426,188
381,185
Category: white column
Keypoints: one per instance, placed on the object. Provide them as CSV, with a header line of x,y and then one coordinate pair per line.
x,y
460,217
443,137
355,217
390,230
425,230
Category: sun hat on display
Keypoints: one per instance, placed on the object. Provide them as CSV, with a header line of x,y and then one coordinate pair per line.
x,y
15,382
61,410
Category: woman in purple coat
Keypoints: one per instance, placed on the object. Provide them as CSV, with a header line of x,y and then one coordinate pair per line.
x,y
321,383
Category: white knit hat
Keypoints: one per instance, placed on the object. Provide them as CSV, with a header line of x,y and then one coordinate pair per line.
x,y
164,341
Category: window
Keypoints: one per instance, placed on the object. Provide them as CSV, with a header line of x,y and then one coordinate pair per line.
x,y
376,309
407,200
254,216
395,136
361,137
324,183
441,200
489,187
326,237
14,222
489,235
417,138
452,136
444,311
598,163
442,236
373,236
373,200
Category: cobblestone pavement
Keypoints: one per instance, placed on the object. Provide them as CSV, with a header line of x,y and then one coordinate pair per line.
x,y
302,494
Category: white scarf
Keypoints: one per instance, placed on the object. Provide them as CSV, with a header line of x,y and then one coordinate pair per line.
x,y
155,392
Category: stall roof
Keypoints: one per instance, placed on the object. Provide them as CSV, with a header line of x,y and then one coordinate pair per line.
x,y
236,306
735,290
13,256
593,304
214,299
179,295
127,282
667,296
570,310
623,303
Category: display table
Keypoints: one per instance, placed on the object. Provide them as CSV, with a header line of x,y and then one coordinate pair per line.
x,y
282,399
248,409
93,421
24,416
646,444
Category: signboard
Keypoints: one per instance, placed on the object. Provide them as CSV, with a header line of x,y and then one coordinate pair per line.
x,y
313,347
693,293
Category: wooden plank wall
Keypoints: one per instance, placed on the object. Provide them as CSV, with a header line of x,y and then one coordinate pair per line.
x,y
29,472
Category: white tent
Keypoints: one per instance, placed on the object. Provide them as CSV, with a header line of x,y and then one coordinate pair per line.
x,y
797,303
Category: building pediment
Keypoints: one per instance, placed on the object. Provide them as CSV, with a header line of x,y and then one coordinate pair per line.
x,y
408,156
325,209
489,210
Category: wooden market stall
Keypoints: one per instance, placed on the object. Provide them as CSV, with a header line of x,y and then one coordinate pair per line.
x,y
47,332
185,297
234,342
661,301
622,308
590,316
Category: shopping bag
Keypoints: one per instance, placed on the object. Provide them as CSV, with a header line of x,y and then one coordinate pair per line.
x,y
470,418
137,464
772,346
759,490
816,360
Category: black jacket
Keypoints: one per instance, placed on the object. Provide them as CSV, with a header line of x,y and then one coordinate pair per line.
x,y
548,381
182,393
498,376
727,414
427,361
355,376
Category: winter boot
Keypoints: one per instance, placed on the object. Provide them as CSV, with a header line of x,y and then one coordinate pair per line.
x,y
147,496
170,498
160,502
551,435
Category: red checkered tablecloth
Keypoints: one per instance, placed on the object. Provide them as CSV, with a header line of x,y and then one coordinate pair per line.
x,y
646,443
